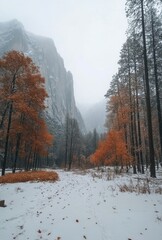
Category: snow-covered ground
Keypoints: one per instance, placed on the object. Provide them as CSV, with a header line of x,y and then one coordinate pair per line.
x,y
79,207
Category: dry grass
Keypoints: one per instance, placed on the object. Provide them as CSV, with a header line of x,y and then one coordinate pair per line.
x,y
141,186
38,176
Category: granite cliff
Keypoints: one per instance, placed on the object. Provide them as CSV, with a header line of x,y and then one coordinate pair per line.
x,y
58,81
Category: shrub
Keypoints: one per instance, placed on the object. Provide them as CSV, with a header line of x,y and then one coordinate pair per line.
x,y
38,176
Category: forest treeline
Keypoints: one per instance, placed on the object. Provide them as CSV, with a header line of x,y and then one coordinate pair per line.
x,y
134,99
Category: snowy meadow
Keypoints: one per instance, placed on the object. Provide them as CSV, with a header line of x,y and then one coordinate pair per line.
x,y
83,205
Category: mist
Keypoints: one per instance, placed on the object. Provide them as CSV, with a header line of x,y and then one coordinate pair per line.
x,y
88,35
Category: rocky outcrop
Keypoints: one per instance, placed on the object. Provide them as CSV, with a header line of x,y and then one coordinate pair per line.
x,y
58,81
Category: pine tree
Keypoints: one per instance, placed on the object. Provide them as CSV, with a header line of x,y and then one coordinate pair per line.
x,y
136,12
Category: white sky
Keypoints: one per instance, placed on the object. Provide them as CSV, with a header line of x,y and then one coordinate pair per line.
x,y
88,34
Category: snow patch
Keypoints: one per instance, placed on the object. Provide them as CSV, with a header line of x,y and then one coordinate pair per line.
x,y
79,207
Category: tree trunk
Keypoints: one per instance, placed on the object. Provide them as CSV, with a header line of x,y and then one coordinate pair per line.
x,y
71,147
139,133
27,164
3,115
157,85
131,116
17,152
66,140
7,139
9,125
148,104
138,140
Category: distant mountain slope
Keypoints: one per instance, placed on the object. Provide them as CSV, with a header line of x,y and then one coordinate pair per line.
x,y
94,116
58,82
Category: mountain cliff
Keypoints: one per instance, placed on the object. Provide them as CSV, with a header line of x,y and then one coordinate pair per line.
x,y
58,81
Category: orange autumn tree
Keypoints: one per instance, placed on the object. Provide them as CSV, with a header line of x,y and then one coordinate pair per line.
x,y
112,151
22,96
100,155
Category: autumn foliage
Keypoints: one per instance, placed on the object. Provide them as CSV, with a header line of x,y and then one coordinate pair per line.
x,y
38,176
112,151
23,131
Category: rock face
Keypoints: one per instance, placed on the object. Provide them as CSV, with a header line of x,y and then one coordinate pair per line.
x,y
58,82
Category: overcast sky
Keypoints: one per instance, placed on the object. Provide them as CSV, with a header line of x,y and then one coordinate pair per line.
x,y
88,34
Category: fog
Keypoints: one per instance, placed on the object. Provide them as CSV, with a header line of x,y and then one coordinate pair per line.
x,y
88,34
